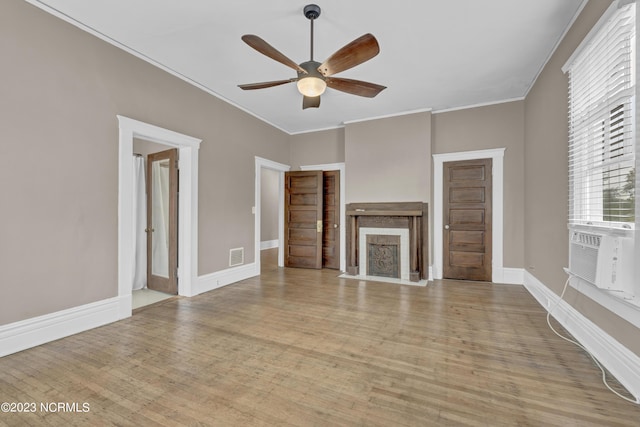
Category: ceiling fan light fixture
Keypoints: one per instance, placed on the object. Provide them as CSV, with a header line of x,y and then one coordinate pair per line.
x,y
311,86
314,77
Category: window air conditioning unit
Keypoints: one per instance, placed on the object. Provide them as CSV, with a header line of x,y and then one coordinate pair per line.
x,y
603,260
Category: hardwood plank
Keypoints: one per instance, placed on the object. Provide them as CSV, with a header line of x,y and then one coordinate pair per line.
x,y
303,347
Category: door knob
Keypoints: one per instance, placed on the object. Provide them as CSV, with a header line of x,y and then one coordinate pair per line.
x,y
335,225
446,227
147,230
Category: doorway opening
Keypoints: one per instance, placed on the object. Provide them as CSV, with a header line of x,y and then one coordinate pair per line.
x,y
278,170
155,223
187,212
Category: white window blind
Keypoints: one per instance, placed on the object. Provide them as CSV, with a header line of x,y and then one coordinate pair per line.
x,y
601,124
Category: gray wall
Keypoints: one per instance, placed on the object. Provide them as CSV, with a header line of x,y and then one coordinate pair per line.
x,y
317,148
269,201
546,181
481,128
61,93
389,160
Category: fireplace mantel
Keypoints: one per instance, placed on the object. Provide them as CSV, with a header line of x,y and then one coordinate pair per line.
x,y
408,215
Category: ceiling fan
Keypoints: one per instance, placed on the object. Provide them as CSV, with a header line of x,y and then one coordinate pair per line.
x,y
314,77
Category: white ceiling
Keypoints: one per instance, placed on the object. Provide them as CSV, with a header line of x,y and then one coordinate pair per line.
x,y
434,55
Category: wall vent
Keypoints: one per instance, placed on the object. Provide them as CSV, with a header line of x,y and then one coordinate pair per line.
x,y
236,257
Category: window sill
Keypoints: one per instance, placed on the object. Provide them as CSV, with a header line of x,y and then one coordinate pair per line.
x,y
623,304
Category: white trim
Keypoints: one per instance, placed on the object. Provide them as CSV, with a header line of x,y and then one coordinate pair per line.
x,y
281,168
616,358
343,210
269,244
482,104
513,276
225,277
387,116
18,336
497,157
302,132
628,310
187,208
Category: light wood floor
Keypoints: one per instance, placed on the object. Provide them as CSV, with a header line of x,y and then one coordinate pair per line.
x,y
304,348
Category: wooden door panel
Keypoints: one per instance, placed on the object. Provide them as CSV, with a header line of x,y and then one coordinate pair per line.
x,y
466,237
303,236
302,251
304,182
467,259
303,219
465,173
331,220
467,215
304,200
162,221
467,195
303,210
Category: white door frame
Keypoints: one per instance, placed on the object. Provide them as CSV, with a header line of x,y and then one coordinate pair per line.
x,y
497,218
187,208
281,168
343,213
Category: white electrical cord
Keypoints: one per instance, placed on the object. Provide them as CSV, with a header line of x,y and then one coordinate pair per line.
x,y
604,377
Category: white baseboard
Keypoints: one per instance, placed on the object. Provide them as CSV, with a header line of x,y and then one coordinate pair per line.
x,y
509,276
269,244
513,276
620,361
18,336
225,277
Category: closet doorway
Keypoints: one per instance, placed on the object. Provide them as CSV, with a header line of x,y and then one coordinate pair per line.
x,y
188,147
156,261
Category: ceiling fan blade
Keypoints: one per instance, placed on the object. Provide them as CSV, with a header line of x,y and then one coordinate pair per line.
x,y
358,51
355,87
265,85
266,49
310,102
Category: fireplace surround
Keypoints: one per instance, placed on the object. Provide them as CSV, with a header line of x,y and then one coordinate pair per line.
x,y
410,216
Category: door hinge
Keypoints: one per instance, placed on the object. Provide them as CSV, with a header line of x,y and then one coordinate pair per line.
x,y
319,226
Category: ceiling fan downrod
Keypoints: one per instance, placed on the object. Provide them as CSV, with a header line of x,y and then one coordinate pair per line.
x,y
312,12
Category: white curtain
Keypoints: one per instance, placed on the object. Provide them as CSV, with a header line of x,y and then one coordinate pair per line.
x,y
139,224
160,218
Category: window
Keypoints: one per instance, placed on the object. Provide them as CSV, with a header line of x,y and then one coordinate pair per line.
x,y
601,123
603,250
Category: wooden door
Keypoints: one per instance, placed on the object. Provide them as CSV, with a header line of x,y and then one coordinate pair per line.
x,y
467,220
331,220
303,219
162,221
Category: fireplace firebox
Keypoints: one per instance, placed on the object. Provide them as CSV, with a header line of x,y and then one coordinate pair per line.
x,y
383,248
